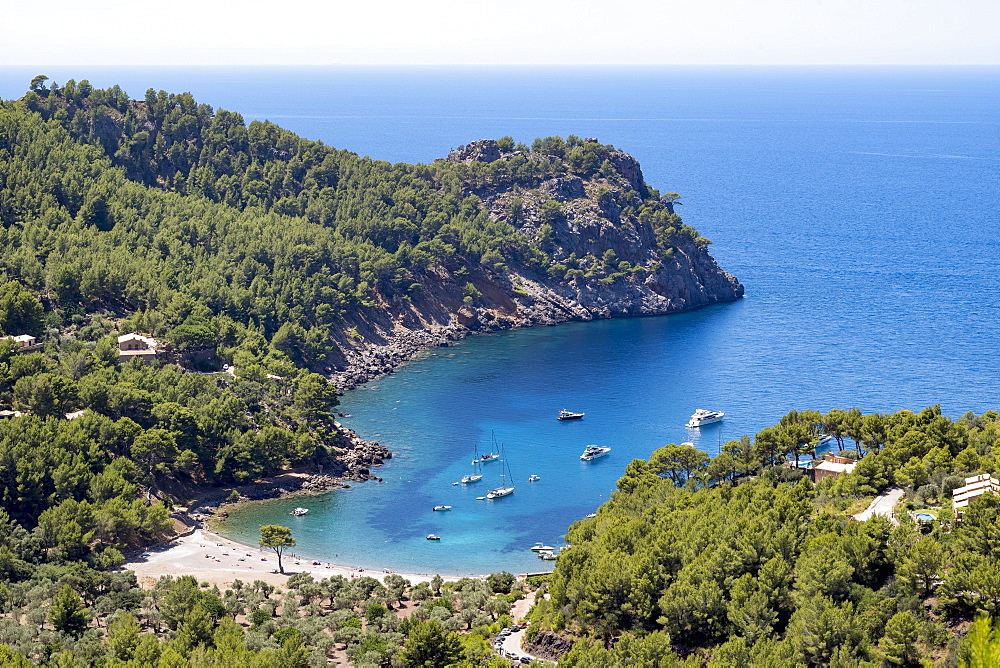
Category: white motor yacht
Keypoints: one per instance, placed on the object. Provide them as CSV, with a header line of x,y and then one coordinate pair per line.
x,y
594,452
702,417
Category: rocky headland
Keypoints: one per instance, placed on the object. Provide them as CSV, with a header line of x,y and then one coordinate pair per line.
x,y
608,245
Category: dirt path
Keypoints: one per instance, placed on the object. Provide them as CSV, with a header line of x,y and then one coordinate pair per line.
x,y
520,608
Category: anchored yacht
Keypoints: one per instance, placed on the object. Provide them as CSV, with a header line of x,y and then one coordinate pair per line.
x,y
702,417
593,452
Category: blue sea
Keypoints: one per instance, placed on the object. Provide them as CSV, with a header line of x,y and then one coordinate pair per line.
x,y
859,207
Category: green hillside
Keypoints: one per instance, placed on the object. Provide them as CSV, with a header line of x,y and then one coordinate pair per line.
x,y
741,560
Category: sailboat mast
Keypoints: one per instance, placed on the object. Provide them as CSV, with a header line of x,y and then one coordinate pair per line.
x,y
503,464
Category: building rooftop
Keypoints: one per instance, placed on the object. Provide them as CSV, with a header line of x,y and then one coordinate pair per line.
x,y
837,467
136,337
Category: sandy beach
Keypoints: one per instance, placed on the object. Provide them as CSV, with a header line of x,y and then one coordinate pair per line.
x,y
217,560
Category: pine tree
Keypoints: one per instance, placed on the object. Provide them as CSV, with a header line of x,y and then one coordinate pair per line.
x,y
67,612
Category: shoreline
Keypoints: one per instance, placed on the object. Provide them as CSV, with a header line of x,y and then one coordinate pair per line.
x,y
211,527
366,362
211,557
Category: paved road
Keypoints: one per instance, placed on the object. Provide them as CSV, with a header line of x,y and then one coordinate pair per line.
x,y
512,643
882,505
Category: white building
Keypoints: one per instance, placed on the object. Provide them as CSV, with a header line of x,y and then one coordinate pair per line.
x,y
25,342
974,488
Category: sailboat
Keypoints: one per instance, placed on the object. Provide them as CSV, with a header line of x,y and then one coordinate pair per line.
x,y
475,476
505,489
489,456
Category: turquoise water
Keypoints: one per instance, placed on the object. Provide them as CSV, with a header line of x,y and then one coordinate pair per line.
x,y
857,205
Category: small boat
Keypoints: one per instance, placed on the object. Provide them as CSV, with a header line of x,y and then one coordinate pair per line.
x,y
431,536
702,417
547,556
489,456
593,452
505,489
476,474
542,548
299,512
591,516
569,415
533,477
442,507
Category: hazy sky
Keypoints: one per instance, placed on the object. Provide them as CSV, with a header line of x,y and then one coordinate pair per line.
x,y
215,32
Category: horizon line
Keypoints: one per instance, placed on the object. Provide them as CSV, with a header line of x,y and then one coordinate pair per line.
x,y
517,65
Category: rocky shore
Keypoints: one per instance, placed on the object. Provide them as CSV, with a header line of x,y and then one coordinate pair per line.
x,y
526,301
352,460
286,485
368,362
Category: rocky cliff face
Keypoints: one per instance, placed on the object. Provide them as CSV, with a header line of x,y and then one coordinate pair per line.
x,y
606,246
549,646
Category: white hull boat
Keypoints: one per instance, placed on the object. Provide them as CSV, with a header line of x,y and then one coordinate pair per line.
x,y
476,474
504,489
594,452
703,417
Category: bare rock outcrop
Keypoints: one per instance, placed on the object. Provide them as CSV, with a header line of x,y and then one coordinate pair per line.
x,y
549,646
484,150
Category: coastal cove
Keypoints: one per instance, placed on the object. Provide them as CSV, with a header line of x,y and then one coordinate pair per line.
x,y
860,292
857,206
